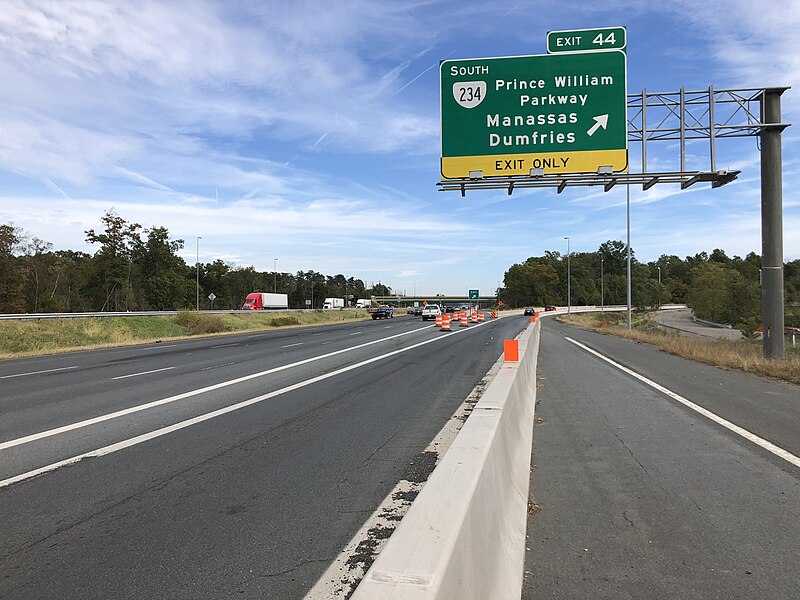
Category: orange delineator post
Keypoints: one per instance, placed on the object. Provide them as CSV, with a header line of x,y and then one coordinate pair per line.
x,y
511,350
446,323
463,319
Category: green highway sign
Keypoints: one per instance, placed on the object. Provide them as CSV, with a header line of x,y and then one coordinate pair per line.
x,y
587,40
473,295
551,113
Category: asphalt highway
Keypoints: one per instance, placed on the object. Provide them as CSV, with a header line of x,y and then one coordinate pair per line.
x,y
636,494
235,466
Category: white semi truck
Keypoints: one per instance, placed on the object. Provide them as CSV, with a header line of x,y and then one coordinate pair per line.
x,y
332,303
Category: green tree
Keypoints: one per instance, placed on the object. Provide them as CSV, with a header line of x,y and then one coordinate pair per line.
x,y
12,296
110,286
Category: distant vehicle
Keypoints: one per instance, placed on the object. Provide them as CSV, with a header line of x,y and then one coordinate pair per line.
x,y
363,303
410,310
418,310
464,307
529,311
260,301
549,307
382,312
449,309
332,303
431,312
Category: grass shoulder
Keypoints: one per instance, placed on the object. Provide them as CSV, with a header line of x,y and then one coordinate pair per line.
x,y
744,355
50,336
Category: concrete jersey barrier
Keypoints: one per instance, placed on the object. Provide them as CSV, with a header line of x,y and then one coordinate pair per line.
x,y
464,536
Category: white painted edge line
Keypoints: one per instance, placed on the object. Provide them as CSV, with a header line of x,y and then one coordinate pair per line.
x,y
216,413
143,373
752,437
127,411
38,372
357,333
290,345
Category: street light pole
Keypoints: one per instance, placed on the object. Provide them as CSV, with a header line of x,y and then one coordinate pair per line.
x,y
628,206
197,271
275,273
569,279
602,285
659,286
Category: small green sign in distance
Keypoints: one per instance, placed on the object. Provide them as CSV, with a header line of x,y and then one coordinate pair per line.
x,y
519,115
474,295
587,40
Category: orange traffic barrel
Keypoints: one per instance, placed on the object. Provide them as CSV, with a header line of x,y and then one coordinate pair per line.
x,y
474,318
463,319
438,320
481,316
446,323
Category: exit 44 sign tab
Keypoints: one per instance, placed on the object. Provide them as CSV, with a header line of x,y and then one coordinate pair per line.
x,y
561,113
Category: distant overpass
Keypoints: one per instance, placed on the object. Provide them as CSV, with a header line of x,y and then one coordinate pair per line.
x,y
446,300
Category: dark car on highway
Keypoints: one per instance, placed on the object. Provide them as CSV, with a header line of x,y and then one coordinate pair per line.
x,y
549,307
529,312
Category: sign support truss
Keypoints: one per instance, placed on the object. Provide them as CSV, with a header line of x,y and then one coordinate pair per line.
x,y
673,116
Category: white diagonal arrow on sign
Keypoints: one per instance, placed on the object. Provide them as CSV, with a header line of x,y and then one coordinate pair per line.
x,y
599,121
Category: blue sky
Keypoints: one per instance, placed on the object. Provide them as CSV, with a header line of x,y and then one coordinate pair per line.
x,y
309,131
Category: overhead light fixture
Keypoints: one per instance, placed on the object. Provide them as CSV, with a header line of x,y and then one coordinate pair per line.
x,y
537,172
476,174
605,170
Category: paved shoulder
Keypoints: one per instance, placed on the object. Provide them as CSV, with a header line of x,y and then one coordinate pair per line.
x,y
636,496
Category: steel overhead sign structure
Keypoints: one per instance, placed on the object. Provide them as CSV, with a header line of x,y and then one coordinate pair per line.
x,y
534,115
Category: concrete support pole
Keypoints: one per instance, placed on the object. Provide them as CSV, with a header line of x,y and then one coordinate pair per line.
x,y
772,225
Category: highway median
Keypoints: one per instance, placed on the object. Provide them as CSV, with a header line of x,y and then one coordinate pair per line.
x,y
51,336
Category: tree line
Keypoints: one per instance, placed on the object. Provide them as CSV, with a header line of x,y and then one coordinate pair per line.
x,y
136,268
718,287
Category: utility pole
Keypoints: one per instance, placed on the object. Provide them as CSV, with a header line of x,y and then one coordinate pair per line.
x,y
569,279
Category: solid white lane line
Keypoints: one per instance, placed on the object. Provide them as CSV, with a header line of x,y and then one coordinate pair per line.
x,y
323,343
388,327
752,437
127,411
159,346
143,373
38,372
225,345
221,411
357,333
290,345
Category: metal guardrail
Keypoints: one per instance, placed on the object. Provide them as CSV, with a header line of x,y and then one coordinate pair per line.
x,y
143,313
711,323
